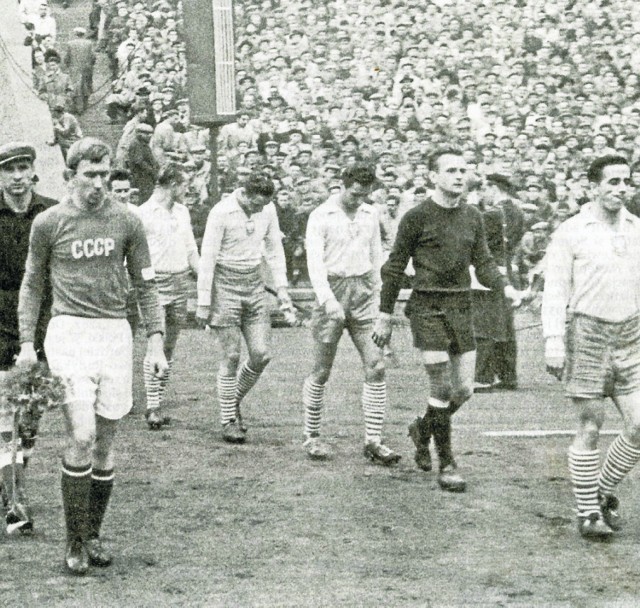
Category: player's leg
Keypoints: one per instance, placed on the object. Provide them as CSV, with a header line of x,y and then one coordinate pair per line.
x,y
374,395
256,329
80,422
152,385
323,355
229,342
257,337
584,467
623,454
102,477
176,316
114,401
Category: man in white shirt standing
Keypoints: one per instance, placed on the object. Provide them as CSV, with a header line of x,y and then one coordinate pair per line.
x,y
344,255
592,285
240,230
174,256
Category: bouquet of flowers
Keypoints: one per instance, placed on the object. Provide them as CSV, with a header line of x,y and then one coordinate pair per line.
x,y
26,392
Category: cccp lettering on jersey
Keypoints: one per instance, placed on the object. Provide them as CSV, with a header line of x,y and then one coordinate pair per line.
x,y
90,248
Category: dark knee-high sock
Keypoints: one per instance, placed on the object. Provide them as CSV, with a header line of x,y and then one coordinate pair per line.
x,y
99,495
76,487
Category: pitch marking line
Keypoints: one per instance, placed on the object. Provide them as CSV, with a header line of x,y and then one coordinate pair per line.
x,y
540,433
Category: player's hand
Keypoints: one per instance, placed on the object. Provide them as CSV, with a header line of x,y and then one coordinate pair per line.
x,y
155,357
554,356
513,295
202,316
334,310
284,299
555,366
27,354
382,330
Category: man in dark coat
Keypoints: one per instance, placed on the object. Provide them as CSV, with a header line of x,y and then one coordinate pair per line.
x,y
19,205
141,162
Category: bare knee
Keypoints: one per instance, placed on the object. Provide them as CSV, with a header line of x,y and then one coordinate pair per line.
x,y
320,375
82,441
374,373
591,418
461,394
259,360
229,363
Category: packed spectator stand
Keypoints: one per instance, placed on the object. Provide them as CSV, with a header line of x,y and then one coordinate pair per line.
x,y
531,90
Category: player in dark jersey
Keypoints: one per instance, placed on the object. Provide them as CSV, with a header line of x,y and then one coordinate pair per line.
x,y
443,237
81,246
19,205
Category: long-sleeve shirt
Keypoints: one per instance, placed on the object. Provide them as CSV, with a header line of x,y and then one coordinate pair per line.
x,y
83,253
591,269
339,246
14,246
237,241
170,237
442,243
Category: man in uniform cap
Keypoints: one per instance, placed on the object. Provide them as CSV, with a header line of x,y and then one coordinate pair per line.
x,y
19,204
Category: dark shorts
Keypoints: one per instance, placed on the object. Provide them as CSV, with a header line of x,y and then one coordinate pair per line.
x,y
356,297
441,322
238,298
603,358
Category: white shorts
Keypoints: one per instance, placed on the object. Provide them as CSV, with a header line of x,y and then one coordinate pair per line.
x,y
95,356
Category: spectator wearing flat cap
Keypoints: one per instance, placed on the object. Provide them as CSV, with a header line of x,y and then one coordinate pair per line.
x,y
19,205
141,162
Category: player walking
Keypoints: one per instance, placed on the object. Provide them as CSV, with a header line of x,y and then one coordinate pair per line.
x,y
240,229
443,237
592,287
80,246
344,254
174,255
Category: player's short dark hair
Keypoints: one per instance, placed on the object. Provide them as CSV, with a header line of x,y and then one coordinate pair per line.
x,y
360,173
119,175
258,183
596,168
170,174
87,148
434,157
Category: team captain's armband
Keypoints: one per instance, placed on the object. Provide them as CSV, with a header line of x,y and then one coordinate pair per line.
x,y
148,274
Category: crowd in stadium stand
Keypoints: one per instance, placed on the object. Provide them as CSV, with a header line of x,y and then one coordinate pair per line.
x,y
531,90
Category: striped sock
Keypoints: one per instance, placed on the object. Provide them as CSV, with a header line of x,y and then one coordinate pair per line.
x,y
76,487
313,400
99,494
227,388
151,386
164,381
583,469
374,401
621,458
246,379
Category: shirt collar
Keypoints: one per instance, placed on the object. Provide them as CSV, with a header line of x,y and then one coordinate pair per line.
x,y
335,208
588,217
35,206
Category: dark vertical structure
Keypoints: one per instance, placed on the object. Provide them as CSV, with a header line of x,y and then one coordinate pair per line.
x,y
211,87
